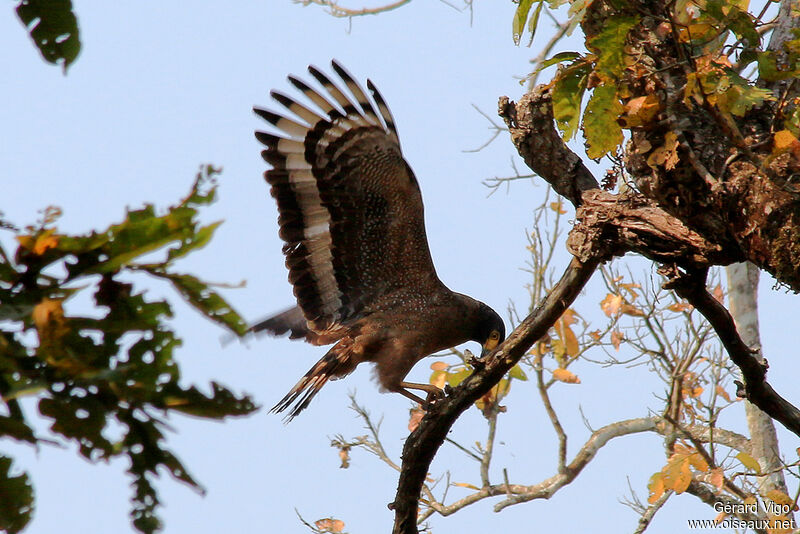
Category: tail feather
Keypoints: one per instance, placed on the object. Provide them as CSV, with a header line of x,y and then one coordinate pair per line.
x,y
335,364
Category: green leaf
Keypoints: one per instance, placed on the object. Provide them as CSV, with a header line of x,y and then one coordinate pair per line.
x,y
558,58
195,241
600,127
456,378
609,45
520,17
742,97
16,498
768,67
222,402
205,300
567,95
517,373
533,23
53,27
16,428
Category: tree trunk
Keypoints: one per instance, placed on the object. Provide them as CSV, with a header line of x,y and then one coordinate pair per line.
x,y
743,295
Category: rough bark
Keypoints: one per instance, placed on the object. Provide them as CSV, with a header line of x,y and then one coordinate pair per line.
x,y
725,199
422,444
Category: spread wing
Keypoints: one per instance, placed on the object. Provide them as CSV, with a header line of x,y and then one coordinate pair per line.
x,y
350,208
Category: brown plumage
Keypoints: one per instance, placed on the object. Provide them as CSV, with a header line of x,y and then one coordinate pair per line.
x,y
351,216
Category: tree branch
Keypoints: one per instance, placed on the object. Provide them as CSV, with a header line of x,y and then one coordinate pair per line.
x,y
422,444
691,286
530,122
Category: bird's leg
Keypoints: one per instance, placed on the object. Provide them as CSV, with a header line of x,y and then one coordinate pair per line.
x,y
434,393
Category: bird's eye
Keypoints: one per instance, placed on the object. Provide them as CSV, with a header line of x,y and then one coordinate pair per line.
x,y
495,335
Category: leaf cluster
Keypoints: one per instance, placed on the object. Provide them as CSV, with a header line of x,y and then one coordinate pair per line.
x,y
106,379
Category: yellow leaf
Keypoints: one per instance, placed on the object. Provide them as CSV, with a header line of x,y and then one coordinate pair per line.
x,y
611,304
683,477
44,242
779,497
667,154
641,110
47,313
466,485
696,32
785,141
698,462
656,487
438,379
692,90
566,334
563,375
557,207
749,462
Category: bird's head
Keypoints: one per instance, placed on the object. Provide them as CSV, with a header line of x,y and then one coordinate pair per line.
x,y
491,331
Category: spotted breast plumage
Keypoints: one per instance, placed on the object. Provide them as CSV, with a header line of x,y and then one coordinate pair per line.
x,y
351,216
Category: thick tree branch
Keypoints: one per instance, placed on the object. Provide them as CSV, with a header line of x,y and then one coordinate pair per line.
x,y
692,287
532,129
422,444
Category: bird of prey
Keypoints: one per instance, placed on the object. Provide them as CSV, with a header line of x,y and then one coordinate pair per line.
x,y
351,216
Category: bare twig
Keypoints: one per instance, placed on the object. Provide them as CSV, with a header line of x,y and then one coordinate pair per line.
x,y
423,443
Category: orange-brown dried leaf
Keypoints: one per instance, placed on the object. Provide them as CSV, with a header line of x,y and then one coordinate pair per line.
x,y
630,309
558,207
717,478
617,338
611,305
680,307
698,462
344,457
719,294
722,393
329,524
565,375
656,487
466,485
416,415
439,366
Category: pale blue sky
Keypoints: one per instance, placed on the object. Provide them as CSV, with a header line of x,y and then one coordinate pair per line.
x,y
159,89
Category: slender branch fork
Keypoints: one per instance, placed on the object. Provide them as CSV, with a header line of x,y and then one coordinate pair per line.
x,y
422,444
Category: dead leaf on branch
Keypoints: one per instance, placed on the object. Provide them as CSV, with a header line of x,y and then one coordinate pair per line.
x,y
329,524
566,376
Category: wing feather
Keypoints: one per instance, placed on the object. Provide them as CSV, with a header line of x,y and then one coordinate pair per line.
x,y
350,209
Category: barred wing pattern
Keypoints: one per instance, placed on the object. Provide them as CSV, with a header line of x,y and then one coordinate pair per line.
x,y
351,212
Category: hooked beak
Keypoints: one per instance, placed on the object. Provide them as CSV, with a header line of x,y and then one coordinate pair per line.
x,y
488,347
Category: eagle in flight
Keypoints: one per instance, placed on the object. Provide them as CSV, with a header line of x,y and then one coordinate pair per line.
x,y
351,216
